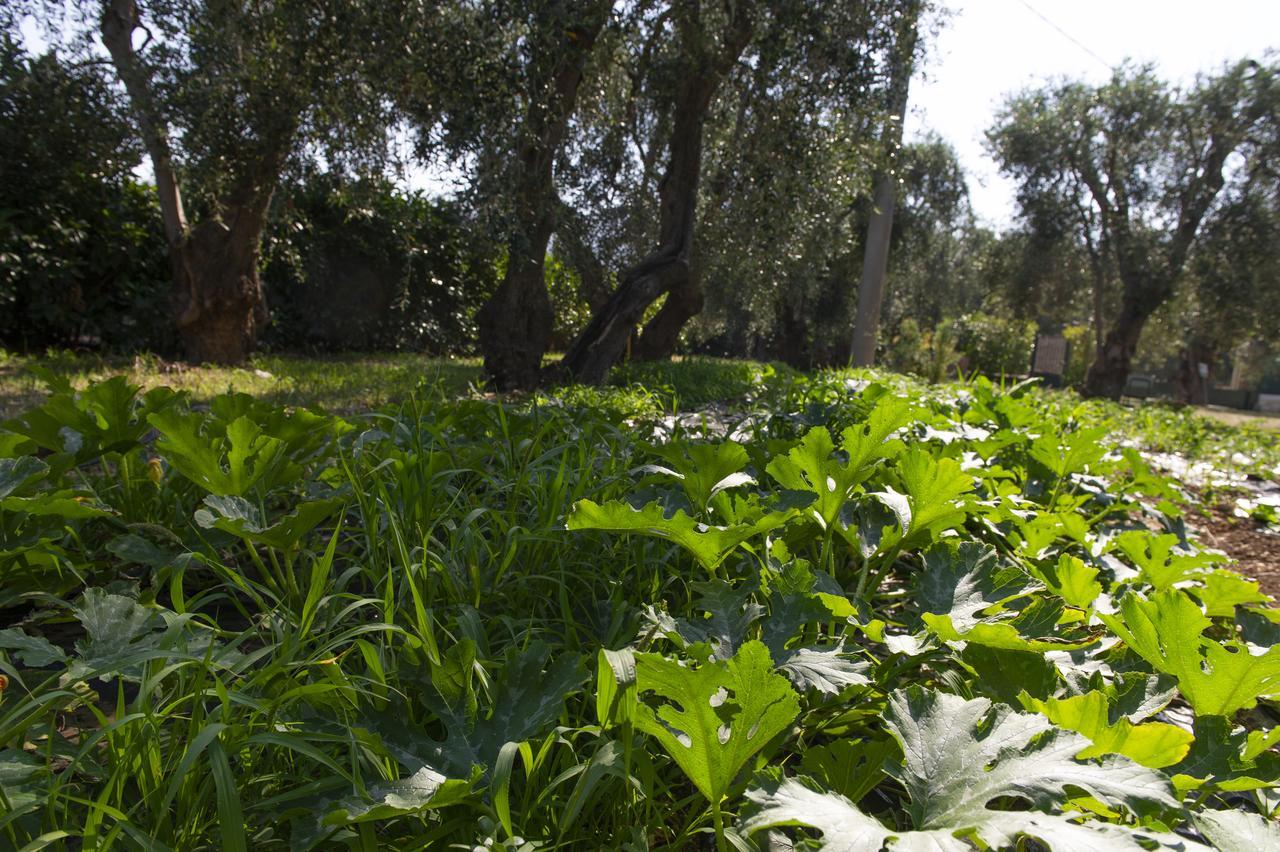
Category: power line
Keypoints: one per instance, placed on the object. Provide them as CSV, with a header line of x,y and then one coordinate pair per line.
x,y
1068,36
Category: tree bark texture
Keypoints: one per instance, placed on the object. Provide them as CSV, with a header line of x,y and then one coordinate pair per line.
x,y
217,298
1191,387
516,322
1109,372
875,265
219,304
668,267
120,18
661,334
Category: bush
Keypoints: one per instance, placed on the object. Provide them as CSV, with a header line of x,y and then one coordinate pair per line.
x,y
372,268
1079,354
931,355
993,346
83,261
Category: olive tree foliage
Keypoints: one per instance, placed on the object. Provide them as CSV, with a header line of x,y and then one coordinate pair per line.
x,y
745,197
782,285
941,261
1143,165
708,38
226,96
1231,303
788,167
902,61
504,101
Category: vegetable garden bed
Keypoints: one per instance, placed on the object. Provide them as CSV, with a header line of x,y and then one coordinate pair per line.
x,y
847,611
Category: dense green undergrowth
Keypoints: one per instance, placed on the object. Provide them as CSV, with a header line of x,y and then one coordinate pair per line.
x,y
848,612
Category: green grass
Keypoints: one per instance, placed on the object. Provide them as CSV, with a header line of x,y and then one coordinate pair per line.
x,y
346,383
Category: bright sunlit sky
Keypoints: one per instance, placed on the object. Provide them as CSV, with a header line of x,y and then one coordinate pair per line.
x,y
989,48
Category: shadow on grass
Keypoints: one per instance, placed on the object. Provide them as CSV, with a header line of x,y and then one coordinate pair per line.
x,y
338,384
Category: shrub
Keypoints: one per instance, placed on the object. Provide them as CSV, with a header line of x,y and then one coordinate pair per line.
x,y
994,345
83,261
369,267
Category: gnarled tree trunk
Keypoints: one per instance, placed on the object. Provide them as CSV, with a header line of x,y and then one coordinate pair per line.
x,y
516,322
661,334
1109,371
218,301
217,298
667,269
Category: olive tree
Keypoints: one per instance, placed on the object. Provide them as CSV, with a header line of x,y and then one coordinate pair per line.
x,y
225,96
1146,164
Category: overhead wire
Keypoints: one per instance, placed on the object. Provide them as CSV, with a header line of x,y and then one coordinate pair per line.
x,y
1068,36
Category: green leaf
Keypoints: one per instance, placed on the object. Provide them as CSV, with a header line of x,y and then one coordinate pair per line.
x,y
1005,674
844,828
137,550
615,687
1158,561
961,580
111,621
705,470
1152,744
422,791
708,544
1064,454
1225,759
811,467
827,670
1238,830
527,697
851,768
1072,580
243,520
1216,677
229,465
16,474
1222,591
934,491
1034,629
742,696
35,651
959,756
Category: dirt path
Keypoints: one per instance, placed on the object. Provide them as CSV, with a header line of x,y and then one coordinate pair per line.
x,y
1233,417
1256,551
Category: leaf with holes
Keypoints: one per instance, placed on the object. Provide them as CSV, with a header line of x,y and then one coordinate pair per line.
x,y
1216,677
713,718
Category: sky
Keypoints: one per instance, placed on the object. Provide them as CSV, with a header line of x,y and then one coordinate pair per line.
x,y
990,48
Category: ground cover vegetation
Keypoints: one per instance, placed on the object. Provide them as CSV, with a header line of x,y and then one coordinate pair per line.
x,y
845,610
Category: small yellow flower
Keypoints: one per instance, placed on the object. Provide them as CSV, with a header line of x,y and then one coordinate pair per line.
x,y
155,472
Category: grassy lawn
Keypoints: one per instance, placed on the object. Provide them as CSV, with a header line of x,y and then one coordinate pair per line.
x,y
347,384
343,383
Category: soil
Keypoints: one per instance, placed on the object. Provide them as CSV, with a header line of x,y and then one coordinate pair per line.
x,y
1255,549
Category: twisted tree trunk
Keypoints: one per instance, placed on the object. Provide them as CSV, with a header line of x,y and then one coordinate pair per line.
x,y
666,269
516,322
